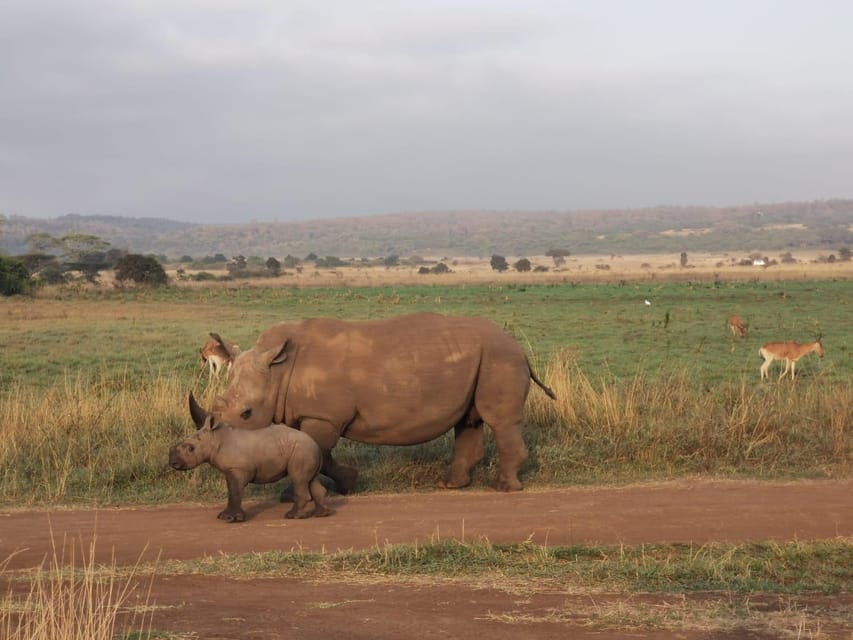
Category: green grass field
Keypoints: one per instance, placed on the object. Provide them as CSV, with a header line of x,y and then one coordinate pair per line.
x,y
608,328
93,385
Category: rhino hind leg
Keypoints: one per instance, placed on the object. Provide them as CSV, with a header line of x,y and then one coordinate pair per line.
x,y
302,506
343,476
318,494
468,450
512,453
500,397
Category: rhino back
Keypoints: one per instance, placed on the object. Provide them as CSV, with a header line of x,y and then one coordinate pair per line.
x,y
399,381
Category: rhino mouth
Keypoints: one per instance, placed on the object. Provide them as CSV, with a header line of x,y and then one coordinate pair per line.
x,y
178,464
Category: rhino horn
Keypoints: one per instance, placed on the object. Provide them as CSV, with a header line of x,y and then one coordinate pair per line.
x,y
197,412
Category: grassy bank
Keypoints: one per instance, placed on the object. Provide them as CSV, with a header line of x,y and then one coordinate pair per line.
x,y
769,589
795,567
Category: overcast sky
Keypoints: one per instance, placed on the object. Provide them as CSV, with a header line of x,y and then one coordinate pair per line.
x,y
234,110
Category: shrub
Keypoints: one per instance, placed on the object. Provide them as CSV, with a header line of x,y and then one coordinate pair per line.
x,y
499,263
273,266
14,277
202,276
140,269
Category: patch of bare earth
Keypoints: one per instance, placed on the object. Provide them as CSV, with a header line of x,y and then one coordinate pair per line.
x,y
349,606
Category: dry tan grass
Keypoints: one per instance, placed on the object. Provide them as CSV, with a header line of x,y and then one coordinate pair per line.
x,y
579,269
72,597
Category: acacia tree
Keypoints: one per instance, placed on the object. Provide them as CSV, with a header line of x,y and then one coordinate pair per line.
x,y
522,265
81,252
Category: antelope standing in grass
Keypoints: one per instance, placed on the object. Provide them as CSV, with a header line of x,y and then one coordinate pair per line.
x,y
216,356
736,326
790,352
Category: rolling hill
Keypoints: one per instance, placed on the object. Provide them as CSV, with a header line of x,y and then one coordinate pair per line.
x,y
816,225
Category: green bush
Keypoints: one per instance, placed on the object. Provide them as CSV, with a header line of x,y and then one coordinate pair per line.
x,y
140,269
203,276
14,277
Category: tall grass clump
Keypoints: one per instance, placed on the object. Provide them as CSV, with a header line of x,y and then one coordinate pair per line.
x,y
95,438
104,438
645,426
73,598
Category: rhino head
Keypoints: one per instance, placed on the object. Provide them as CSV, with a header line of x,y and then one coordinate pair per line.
x,y
251,400
197,448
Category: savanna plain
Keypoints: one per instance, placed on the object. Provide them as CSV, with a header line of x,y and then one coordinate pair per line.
x,y
655,398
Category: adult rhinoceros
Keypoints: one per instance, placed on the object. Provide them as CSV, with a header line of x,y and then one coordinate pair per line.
x,y
399,381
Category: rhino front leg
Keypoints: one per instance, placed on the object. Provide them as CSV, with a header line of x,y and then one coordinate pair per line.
x,y
233,511
343,475
468,450
327,435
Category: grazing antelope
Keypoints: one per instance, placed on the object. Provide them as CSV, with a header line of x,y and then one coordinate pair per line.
x,y
736,326
790,352
217,357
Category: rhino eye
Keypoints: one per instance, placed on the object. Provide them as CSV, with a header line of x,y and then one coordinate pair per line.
x,y
190,448
246,414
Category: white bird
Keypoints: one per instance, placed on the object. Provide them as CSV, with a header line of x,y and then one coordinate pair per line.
x,y
647,302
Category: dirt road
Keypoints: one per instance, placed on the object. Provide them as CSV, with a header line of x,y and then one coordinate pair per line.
x,y
220,607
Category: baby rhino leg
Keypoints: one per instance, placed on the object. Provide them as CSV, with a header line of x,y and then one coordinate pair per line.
x,y
318,493
308,494
301,500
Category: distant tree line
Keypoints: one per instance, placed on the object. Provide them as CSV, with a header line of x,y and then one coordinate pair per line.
x,y
60,260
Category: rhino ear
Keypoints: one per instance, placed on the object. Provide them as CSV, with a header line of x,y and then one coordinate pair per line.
x,y
278,355
199,415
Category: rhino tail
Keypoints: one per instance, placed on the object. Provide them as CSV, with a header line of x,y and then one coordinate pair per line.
x,y
541,384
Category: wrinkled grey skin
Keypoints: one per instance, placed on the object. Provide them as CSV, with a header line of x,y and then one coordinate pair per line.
x,y
261,456
399,381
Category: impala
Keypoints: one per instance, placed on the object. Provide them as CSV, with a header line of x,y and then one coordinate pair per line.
x,y
217,357
790,352
736,326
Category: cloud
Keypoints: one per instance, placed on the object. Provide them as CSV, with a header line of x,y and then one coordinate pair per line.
x,y
224,110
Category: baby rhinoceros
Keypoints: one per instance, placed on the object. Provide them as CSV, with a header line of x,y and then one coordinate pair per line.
x,y
260,456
